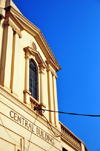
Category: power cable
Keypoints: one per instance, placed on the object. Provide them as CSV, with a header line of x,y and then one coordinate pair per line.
x,y
51,127
67,112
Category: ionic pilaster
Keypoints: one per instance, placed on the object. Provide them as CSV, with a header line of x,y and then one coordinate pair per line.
x,y
26,91
55,100
41,73
6,57
9,22
16,64
50,97
53,72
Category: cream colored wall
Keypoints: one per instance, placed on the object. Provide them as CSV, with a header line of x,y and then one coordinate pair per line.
x,y
13,73
1,37
14,78
27,40
66,146
15,135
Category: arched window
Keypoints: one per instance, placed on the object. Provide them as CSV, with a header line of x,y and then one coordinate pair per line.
x,y
33,79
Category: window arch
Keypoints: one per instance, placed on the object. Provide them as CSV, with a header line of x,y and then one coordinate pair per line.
x,y
33,79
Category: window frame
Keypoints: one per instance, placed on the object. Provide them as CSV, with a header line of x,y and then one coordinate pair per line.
x,y
35,85
30,53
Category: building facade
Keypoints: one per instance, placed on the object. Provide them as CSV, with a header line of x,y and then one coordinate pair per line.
x,y
27,85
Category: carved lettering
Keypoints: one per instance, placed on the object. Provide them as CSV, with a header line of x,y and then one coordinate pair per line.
x,y
19,119
42,134
11,114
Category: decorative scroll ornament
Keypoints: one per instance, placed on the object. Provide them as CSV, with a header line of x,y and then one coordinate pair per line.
x,y
34,46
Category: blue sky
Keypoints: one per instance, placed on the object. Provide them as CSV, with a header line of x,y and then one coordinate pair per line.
x,y
72,30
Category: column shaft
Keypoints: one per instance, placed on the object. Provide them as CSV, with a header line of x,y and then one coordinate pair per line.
x,y
50,96
1,40
42,101
16,65
26,91
41,87
6,57
56,101
82,147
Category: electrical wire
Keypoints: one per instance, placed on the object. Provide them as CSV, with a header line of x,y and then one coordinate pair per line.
x,y
51,127
70,113
32,132
8,133
14,139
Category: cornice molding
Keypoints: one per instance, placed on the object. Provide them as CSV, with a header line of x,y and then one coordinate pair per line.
x,y
33,30
70,138
28,50
49,61
50,53
70,142
62,125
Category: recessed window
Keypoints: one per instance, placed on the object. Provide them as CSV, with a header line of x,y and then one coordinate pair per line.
x,y
33,79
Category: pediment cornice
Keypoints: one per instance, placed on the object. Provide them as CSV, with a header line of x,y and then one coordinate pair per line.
x,y
34,31
36,54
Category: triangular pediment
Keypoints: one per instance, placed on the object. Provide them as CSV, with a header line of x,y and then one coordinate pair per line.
x,y
26,25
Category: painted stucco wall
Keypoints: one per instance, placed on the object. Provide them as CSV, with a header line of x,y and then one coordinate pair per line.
x,y
22,128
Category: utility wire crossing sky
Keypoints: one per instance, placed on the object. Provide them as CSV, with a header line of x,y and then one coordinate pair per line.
x,y
37,108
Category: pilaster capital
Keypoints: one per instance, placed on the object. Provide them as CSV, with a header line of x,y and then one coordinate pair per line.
x,y
52,72
17,32
48,68
27,54
41,68
8,22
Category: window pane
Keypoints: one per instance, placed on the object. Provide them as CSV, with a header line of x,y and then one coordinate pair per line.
x,y
33,79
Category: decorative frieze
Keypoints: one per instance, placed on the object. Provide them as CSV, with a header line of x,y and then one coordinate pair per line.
x,y
70,138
